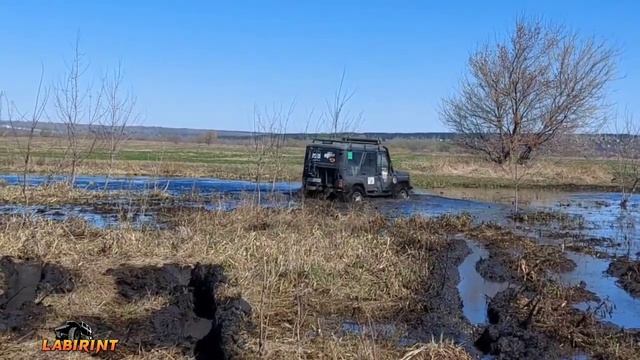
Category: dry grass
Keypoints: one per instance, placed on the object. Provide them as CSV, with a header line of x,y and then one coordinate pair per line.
x,y
51,194
521,255
302,271
436,350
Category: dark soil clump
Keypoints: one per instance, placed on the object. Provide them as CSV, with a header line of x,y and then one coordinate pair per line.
x,y
493,269
195,319
510,337
26,284
628,274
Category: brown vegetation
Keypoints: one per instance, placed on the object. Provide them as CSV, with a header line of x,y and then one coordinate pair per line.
x,y
303,272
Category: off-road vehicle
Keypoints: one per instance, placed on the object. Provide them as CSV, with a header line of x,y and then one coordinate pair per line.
x,y
351,169
74,330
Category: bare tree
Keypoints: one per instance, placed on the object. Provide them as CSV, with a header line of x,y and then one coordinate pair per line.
x,y
625,143
208,138
270,127
540,83
341,120
118,113
77,106
29,123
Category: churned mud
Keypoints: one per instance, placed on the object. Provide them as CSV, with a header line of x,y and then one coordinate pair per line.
x,y
514,257
193,319
628,274
25,283
509,337
442,305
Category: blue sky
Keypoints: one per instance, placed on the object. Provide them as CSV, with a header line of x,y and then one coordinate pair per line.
x,y
207,64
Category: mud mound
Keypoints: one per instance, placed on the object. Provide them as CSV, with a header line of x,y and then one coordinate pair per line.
x,y
509,337
628,274
492,269
135,283
193,319
26,284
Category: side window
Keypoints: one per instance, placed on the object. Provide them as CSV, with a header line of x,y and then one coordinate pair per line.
x,y
369,165
383,163
354,159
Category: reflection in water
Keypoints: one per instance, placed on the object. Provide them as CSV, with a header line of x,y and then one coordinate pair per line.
x,y
170,185
474,290
223,195
591,270
601,211
99,219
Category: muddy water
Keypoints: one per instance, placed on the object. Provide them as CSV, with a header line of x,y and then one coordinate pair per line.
x,y
474,290
619,307
607,227
99,219
170,185
601,212
224,195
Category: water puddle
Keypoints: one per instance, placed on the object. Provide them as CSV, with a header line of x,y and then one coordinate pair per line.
x,y
434,205
96,218
625,310
171,185
605,225
475,291
215,195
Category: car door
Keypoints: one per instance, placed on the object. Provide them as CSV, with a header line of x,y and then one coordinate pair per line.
x,y
369,171
384,172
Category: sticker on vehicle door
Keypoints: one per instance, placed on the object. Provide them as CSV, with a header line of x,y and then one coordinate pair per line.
x,y
371,180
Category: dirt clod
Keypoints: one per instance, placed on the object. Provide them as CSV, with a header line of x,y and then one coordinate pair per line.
x,y
26,284
628,274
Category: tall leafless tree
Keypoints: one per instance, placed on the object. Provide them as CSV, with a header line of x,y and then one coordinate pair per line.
x,y
119,111
341,120
77,106
29,121
541,82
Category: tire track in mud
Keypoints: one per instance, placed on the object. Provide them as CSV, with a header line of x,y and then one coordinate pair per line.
x,y
193,318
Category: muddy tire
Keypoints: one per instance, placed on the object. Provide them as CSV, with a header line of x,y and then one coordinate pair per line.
x,y
74,333
355,195
403,193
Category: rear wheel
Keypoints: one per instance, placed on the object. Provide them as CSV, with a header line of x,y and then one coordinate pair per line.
x,y
356,194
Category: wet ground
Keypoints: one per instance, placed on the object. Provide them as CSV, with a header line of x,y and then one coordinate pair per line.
x,y
596,223
474,289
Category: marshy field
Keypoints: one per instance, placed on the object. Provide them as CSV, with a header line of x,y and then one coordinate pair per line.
x,y
184,250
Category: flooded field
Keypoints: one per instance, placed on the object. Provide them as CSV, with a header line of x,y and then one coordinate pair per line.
x,y
590,229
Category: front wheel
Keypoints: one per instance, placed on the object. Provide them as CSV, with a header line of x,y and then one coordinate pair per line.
x,y
403,193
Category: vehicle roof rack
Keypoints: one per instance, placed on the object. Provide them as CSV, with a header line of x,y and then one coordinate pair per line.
x,y
362,140
348,140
